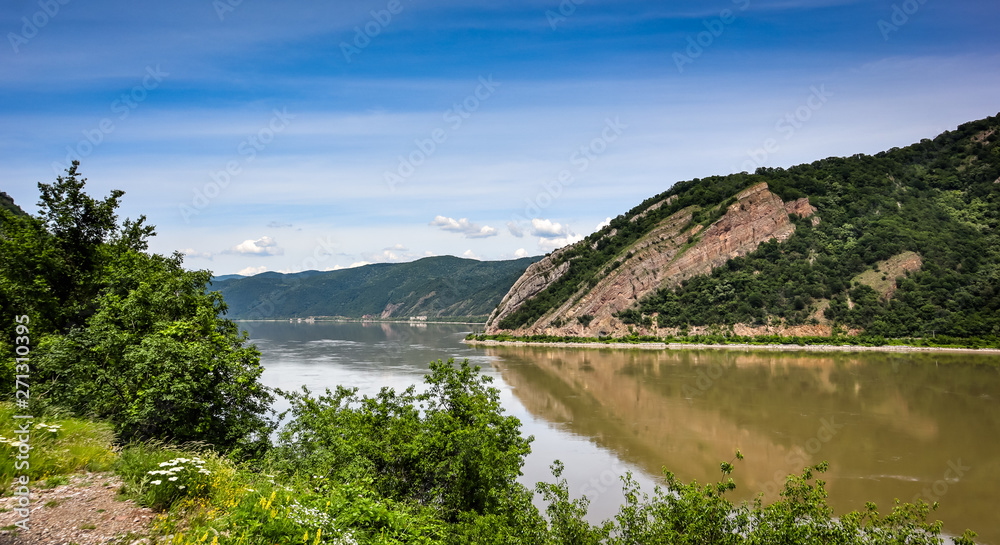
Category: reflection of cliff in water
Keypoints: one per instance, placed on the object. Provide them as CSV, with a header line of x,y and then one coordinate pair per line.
x,y
894,419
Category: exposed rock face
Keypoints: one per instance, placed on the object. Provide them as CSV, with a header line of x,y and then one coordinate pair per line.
x,y
389,309
800,207
537,277
659,259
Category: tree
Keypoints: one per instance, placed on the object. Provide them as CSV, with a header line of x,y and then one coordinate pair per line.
x,y
159,361
122,334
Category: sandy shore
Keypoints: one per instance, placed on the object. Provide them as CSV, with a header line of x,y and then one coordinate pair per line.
x,y
745,347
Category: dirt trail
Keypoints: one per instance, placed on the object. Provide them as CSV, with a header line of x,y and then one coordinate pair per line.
x,y
86,511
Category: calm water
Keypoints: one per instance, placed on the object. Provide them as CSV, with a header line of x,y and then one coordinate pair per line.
x,y
891,425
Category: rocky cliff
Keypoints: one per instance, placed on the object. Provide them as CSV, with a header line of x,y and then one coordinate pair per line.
x,y
675,249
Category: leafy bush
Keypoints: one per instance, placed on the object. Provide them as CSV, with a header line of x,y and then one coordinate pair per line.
x,y
449,447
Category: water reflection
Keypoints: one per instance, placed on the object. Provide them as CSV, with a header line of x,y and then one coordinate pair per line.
x,y
891,425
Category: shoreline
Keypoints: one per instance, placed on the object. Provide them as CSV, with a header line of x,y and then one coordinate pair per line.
x,y
359,321
743,347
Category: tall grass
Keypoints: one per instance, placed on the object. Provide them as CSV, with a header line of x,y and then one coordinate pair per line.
x,y
57,446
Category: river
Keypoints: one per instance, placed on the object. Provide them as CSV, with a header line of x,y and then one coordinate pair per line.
x,y
891,425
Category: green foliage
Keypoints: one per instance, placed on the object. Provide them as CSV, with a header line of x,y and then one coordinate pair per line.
x,y
157,360
7,203
121,334
442,286
449,447
52,265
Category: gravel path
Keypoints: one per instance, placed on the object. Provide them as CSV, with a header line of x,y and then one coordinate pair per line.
x,y
86,511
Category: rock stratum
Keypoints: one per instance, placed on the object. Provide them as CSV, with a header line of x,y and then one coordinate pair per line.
x,y
674,250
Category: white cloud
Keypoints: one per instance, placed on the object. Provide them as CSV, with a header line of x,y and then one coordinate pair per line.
x,y
250,271
351,266
515,229
549,244
469,254
261,246
464,226
548,228
520,252
552,235
603,224
191,252
397,247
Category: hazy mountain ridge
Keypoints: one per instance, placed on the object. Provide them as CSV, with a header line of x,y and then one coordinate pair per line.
x,y
786,251
434,287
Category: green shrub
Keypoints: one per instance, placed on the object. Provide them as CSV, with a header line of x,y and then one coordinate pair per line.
x,y
449,447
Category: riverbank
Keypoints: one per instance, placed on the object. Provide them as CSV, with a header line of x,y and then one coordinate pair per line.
x,y
362,321
737,346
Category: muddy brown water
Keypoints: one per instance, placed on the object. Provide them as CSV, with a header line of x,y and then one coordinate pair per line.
x,y
891,425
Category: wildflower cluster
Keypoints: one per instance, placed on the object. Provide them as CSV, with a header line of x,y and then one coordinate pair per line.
x,y
178,477
309,516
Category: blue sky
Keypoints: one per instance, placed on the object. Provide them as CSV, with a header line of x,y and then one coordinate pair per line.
x,y
263,136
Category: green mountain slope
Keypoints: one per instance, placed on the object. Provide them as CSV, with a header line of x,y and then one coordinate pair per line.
x,y
902,243
432,286
7,203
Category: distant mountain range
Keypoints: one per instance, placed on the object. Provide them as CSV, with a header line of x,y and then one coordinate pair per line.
x,y
442,286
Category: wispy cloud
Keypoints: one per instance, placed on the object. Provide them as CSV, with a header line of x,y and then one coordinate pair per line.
x,y
191,252
464,226
250,271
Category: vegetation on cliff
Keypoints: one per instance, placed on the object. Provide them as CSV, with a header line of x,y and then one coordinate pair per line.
x,y
939,199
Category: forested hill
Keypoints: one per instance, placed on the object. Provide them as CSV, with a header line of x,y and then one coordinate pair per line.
x,y
902,243
7,203
433,287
